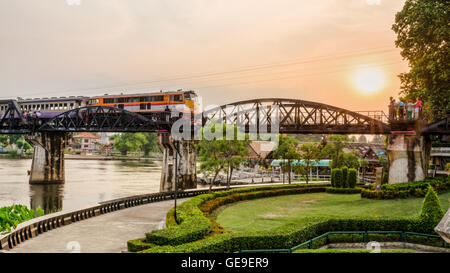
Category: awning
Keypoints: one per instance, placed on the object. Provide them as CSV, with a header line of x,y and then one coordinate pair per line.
x,y
321,163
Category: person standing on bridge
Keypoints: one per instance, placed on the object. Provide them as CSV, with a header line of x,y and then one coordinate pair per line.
x,y
401,110
392,109
418,108
410,110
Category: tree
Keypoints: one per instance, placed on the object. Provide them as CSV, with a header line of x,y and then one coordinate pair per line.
x,y
378,139
334,149
423,32
353,139
150,144
129,142
222,154
233,152
309,154
211,160
287,150
362,139
4,140
349,160
22,144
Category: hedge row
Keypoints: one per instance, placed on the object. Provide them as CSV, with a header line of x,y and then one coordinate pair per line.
x,y
290,235
343,190
405,190
192,215
344,177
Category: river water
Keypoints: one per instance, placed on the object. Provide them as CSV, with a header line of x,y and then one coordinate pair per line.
x,y
87,183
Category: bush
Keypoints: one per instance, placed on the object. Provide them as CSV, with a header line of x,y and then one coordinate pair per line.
x,y
343,190
431,212
338,179
405,190
11,216
385,178
352,178
344,177
193,214
289,235
138,245
333,173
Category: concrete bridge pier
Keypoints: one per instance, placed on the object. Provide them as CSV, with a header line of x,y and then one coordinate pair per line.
x,y
186,163
409,155
48,157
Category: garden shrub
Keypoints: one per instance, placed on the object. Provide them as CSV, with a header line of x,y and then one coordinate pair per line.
x,y
385,179
352,177
431,212
344,177
193,214
289,235
405,190
338,178
333,172
11,216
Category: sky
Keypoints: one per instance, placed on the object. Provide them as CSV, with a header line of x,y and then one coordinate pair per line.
x,y
338,52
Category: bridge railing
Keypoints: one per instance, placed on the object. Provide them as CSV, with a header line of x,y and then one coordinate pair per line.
x,y
378,115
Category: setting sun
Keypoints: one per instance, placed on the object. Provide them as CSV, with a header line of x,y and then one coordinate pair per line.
x,y
368,80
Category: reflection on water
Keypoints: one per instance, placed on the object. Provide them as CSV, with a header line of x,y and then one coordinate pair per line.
x,y
48,197
87,183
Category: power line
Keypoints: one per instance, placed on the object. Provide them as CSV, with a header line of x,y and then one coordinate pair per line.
x,y
283,78
244,69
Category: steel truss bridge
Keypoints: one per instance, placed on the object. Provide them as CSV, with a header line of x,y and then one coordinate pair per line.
x,y
289,116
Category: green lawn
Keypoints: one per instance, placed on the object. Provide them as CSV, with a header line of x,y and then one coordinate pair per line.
x,y
267,213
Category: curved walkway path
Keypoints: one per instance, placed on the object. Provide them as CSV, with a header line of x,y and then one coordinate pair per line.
x,y
106,233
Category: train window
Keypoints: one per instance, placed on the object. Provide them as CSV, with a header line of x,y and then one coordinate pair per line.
x,y
142,106
71,105
65,106
176,98
142,99
149,106
109,100
157,98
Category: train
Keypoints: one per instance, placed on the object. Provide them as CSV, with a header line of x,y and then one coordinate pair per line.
x,y
142,103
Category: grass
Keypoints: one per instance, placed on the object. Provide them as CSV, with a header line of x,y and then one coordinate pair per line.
x,y
272,212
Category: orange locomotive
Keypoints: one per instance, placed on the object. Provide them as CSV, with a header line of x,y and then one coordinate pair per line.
x,y
147,103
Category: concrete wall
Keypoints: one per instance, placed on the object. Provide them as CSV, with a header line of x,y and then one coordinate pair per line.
x,y
408,155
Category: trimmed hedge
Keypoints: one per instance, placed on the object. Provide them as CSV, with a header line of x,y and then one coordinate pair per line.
x,y
352,178
290,235
338,178
405,190
138,245
431,212
193,214
343,190
344,177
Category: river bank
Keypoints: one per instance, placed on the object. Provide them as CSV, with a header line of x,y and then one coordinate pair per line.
x,y
85,157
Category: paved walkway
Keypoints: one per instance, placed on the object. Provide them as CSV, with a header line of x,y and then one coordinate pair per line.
x,y
106,233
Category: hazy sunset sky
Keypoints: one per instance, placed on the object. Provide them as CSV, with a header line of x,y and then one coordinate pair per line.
x,y
323,50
